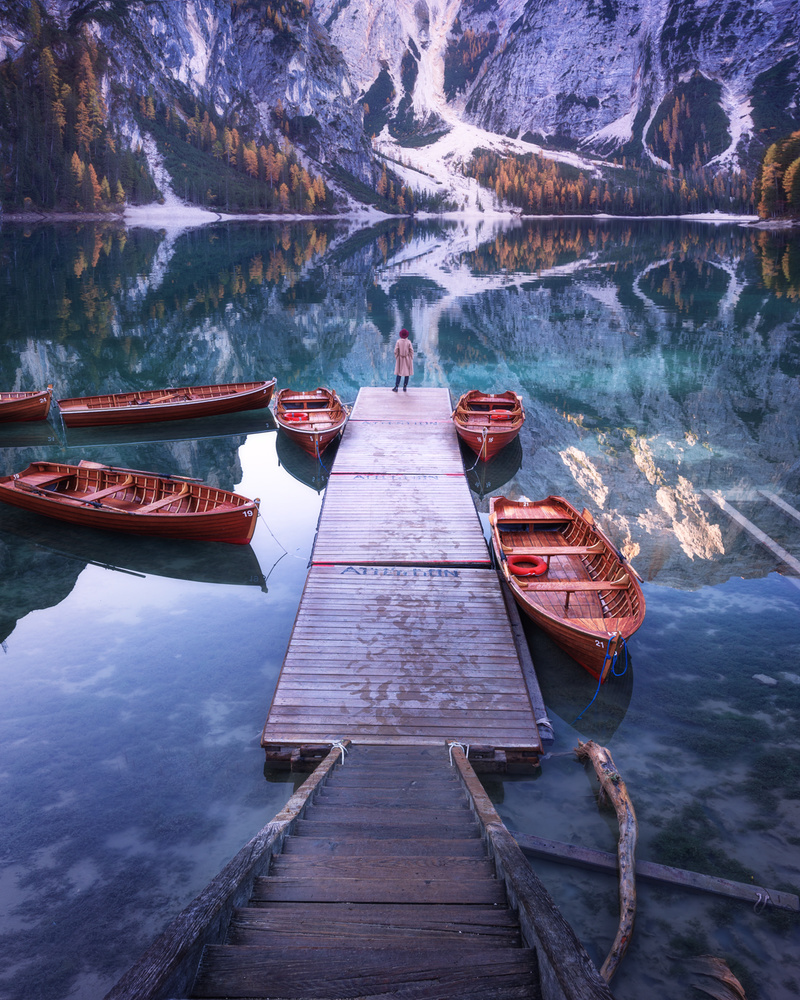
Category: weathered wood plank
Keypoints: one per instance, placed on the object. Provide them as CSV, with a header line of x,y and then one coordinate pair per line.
x,y
409,866
381,926
307,844
332,829
330,973
415,798
408,891
649,871
466,920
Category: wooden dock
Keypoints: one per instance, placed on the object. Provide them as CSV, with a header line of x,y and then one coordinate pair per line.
x,y
402,635
387,874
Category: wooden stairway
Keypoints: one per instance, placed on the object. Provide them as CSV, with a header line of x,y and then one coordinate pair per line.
x,y
384,888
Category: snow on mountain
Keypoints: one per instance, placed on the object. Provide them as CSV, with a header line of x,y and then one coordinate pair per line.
x,y
572,75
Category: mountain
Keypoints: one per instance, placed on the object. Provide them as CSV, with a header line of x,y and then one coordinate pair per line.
x,y
673,84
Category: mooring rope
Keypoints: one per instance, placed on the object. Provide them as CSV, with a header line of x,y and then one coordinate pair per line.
x,y
339,745
463,746
319,456
761,902
602,669
484,432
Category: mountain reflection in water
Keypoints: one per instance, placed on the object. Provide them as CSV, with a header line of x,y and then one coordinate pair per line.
x,y
656,360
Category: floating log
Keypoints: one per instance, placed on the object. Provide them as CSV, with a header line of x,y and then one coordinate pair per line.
x,y
614,787
787,509
648,871
751,529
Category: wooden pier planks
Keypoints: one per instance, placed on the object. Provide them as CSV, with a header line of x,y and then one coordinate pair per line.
x,y
402,654
422,520
422,447
417,404
402,635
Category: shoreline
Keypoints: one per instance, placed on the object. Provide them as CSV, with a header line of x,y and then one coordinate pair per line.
x,y
187,216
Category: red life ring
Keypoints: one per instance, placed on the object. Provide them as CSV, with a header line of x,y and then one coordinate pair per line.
x,y
295,417
523,565
501,415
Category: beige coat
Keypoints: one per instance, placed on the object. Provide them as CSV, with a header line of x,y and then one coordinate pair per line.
x,y
403,357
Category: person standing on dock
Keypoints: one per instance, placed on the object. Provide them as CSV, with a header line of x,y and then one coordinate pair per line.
x,y
403,360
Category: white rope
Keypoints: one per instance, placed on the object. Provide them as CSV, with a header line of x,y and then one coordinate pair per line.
x,y
761,901
546,723
464,747
339,745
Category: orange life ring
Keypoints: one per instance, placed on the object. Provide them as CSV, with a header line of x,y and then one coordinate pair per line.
x,y
295,417
523,565
501,415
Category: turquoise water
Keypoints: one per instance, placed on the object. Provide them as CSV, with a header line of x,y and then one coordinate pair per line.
x,y
656,361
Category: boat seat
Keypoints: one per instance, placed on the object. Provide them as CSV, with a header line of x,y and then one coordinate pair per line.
x,y
554,550
42,479
164,501
576,586
109,491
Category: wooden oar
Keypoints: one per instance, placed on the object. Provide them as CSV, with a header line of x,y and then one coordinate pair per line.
x,y
138,472
168,397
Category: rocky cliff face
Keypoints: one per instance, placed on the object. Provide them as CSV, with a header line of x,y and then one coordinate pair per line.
x,y
597,72
592,73
243,57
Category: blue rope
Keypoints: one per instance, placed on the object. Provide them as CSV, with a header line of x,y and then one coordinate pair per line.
x,y
602,669
319,457
616,659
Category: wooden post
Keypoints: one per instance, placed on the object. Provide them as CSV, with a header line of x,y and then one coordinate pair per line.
x,y
614,787
565,969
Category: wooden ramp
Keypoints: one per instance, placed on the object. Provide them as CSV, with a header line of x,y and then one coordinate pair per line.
x,y
402,635
388,874
385,879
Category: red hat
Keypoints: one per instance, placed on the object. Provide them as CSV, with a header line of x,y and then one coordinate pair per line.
x,y
404,332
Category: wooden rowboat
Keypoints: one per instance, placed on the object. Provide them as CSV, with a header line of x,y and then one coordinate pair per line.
x,y
25,405
165,404
567,577
312,419
486,422
142,503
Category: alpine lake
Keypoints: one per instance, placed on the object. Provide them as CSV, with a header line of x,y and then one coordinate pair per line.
x,y
659,365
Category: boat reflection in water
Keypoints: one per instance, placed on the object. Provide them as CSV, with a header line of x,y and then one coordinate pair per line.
x,y
199,428
141,555
487,477
568,690
28,435
305,468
